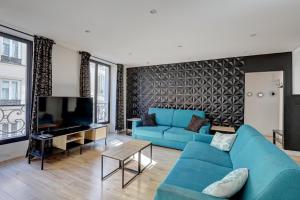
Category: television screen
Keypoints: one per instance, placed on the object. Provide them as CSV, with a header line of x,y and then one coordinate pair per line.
x,y
59,113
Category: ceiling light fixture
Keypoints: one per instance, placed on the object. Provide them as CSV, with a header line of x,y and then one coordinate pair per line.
x,y
253,35
179,46
153,11
87,31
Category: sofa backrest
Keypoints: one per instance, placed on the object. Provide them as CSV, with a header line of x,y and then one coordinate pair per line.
x,y
182,118
164,116
269,168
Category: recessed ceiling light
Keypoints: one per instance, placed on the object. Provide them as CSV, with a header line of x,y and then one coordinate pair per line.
x,y
87,31
153,11
253,35
179,46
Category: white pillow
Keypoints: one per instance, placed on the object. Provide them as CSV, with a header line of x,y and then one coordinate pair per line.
x,y
229,185
222,141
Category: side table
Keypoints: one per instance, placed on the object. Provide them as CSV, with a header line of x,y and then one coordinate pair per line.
x,y
41,154
223,129
130,120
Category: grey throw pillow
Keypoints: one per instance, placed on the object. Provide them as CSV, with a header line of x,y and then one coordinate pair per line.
x,y
222,141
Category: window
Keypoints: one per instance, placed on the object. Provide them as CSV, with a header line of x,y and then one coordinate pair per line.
x,y
10,89
100,90
5,90
15,49
15,90
6,46
15,72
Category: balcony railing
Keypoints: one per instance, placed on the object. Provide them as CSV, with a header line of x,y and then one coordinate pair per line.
x,y
102,112
12,121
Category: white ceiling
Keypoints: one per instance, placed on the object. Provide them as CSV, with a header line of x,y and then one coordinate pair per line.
x,y
124,31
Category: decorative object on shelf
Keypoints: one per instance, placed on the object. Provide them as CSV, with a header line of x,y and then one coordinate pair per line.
x,y
260,94
249,94
278,136
278,83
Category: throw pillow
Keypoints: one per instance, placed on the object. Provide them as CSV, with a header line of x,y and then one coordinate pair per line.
x,y
196,123
229,185
149,120
222,141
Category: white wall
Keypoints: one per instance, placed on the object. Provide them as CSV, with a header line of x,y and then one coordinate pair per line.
x,y
264,113
113,97
296,71
65,71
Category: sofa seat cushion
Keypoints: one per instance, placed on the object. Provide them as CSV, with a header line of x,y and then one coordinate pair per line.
x,y
179,134
205,152
151,131
195,174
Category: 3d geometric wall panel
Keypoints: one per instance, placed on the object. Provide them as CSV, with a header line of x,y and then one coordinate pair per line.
x,y
215,86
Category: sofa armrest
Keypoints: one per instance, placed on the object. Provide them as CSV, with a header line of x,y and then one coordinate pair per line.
x,y
136,124
205,129
199,137
172,192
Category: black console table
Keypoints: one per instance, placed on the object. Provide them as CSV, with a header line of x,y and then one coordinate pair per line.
x,y
65,141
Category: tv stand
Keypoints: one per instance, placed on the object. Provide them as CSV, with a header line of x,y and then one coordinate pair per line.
x,y
67,141
70,140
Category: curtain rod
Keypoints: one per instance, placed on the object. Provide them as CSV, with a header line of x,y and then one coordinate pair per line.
x,y
103,60
100,58
16,30
54,42
20,31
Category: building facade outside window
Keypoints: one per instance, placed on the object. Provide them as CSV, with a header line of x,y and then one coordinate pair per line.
x,y
15,66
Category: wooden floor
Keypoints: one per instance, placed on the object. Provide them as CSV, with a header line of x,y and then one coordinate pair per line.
x,y
78,176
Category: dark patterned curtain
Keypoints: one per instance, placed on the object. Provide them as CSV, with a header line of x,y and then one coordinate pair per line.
x,y
120,98
85,85
42,72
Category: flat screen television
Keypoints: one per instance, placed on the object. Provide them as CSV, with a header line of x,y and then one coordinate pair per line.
x,y
62,113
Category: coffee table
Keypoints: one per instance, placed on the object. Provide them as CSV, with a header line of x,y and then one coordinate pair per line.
x,y
123,153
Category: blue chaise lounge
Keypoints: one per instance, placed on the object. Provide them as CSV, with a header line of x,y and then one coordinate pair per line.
x,y
272,174
170,130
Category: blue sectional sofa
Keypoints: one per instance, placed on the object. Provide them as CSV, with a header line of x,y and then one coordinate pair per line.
x,y
170,131
272,174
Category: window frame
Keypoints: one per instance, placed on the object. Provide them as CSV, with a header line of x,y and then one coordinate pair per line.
x,y
28,94
97,63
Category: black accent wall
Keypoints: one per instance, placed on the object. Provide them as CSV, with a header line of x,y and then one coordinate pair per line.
x,y
216,86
